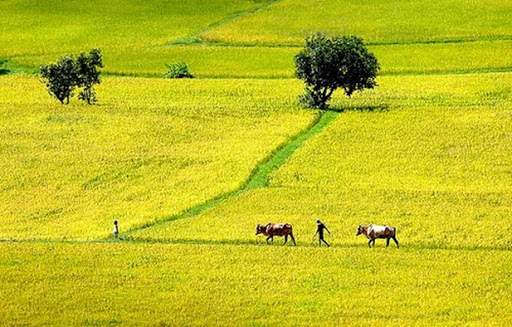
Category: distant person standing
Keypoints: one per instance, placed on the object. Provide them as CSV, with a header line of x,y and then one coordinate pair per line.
x,y
116,229
320,231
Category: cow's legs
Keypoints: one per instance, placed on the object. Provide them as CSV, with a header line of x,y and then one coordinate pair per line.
x,y
387,241
293,239
370,243
285,239
373,242
271,239
394,239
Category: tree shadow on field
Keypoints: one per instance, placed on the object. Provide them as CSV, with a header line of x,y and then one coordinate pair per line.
x,y
360,108
3,68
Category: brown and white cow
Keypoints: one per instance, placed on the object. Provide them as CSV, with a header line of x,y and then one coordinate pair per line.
x,y
372,232
270,230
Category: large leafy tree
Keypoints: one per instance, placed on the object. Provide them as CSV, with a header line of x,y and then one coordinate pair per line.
x,y
326,64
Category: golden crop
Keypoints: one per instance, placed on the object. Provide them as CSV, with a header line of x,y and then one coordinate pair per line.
x,y
189,167
203,285
151,149
427,154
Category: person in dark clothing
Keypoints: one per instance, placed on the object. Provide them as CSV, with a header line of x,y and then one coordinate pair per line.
x,y
320,231
116,229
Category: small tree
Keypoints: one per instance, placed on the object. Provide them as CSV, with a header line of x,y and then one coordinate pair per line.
x,y
60,78
327,64
88,74
178,70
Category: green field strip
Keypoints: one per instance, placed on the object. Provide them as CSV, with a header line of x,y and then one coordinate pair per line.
x,y
34,71
258,242
214,62
15,68
447,40
212,77
304,244
449,72
390,73
194,38
258,178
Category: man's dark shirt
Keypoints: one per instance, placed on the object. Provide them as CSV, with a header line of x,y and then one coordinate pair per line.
x,y
320,230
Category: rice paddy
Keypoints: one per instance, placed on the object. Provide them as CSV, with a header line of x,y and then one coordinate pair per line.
x,y
190,167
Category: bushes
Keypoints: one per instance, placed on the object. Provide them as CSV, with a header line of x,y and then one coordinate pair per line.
x,y
178,70
61,78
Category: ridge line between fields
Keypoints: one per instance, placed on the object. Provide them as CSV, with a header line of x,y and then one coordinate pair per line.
x,y
200,42
193,39
291,76
20,69
419,247
259,177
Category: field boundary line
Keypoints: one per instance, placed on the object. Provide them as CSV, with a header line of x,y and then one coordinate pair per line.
x,y
31,71
291,76
254,243
449,72
259,176
194,39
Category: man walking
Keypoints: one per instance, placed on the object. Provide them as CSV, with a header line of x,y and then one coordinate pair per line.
x,y
320,231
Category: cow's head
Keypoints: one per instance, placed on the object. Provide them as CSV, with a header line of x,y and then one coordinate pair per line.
x,y
359,230
259,229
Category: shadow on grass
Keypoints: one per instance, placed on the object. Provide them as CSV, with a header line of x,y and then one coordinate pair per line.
x,y
3,68
358,108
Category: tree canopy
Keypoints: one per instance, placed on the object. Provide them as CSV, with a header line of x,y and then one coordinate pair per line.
x,y
326,64
61,78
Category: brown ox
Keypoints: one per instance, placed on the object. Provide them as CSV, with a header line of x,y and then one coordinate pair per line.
x,y
373,232
271,230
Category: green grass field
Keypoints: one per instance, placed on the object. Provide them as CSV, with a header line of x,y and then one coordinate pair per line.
x,y
378,21
189,167
277,62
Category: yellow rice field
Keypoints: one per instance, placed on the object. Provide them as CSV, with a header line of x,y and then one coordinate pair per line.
x,y
190,167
